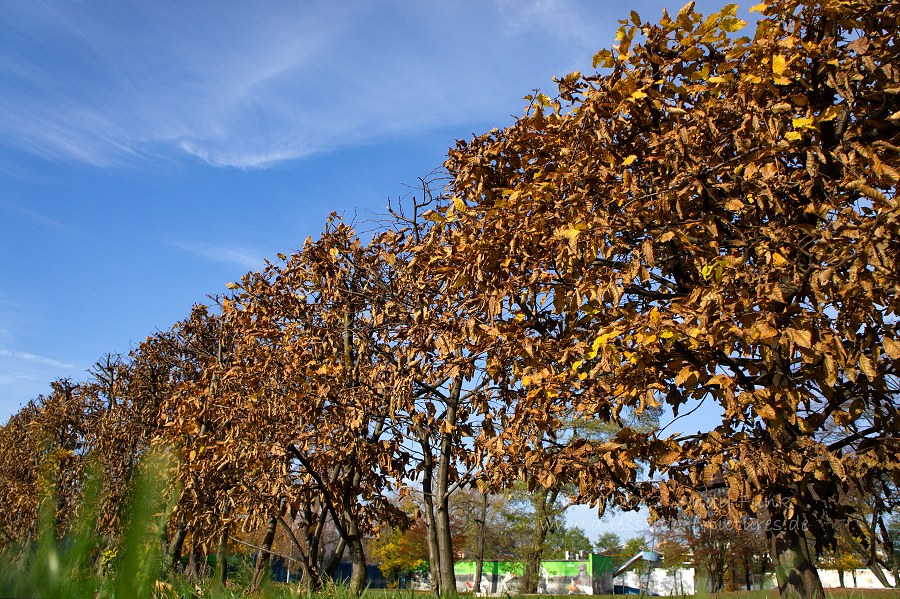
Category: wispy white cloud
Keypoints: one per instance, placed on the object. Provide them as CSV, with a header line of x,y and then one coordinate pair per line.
x,y
103,85
564,19
13,378
248,88
242,257
35,216
34,358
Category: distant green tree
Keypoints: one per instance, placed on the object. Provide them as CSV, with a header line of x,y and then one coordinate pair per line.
x,y
566,538
608,543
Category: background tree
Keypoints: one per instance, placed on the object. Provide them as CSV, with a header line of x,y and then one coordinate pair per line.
x,y
842,558
608,543
399,553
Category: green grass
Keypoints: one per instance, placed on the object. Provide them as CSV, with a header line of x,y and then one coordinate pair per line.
x,y
82,565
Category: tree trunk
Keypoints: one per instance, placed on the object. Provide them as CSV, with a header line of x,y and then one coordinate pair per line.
x,y
763,568
222,558
536,547
434,556
878,572
358,560
442,492
479,556
715,568
263,558
351,534
748,574
331,565
194,569
177,545
841,578
445,547
794,567
309,576
543,501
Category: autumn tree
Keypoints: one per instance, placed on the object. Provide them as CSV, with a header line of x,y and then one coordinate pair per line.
x,y
59,435
313,348
728,553
126,394
713,219
457,396
197,421
20,464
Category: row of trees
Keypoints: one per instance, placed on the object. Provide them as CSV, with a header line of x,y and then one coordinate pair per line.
x,y
710,219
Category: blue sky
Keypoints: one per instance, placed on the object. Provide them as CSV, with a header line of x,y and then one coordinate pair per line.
x,y
150,152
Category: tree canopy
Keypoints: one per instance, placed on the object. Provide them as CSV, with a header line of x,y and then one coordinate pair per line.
x,y
711,218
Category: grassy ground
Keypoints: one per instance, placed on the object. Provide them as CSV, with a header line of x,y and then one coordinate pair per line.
x,y
771,594
829,594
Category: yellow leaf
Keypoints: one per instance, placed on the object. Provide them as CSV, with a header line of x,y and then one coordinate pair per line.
x,y
836,465
732,24
629,160
570,233
638,95
865,364
801,338
792,136
891,348
603,58
595,347
778,65
766,411
758,7
686,373
734,205
459,204
778,259
803,123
